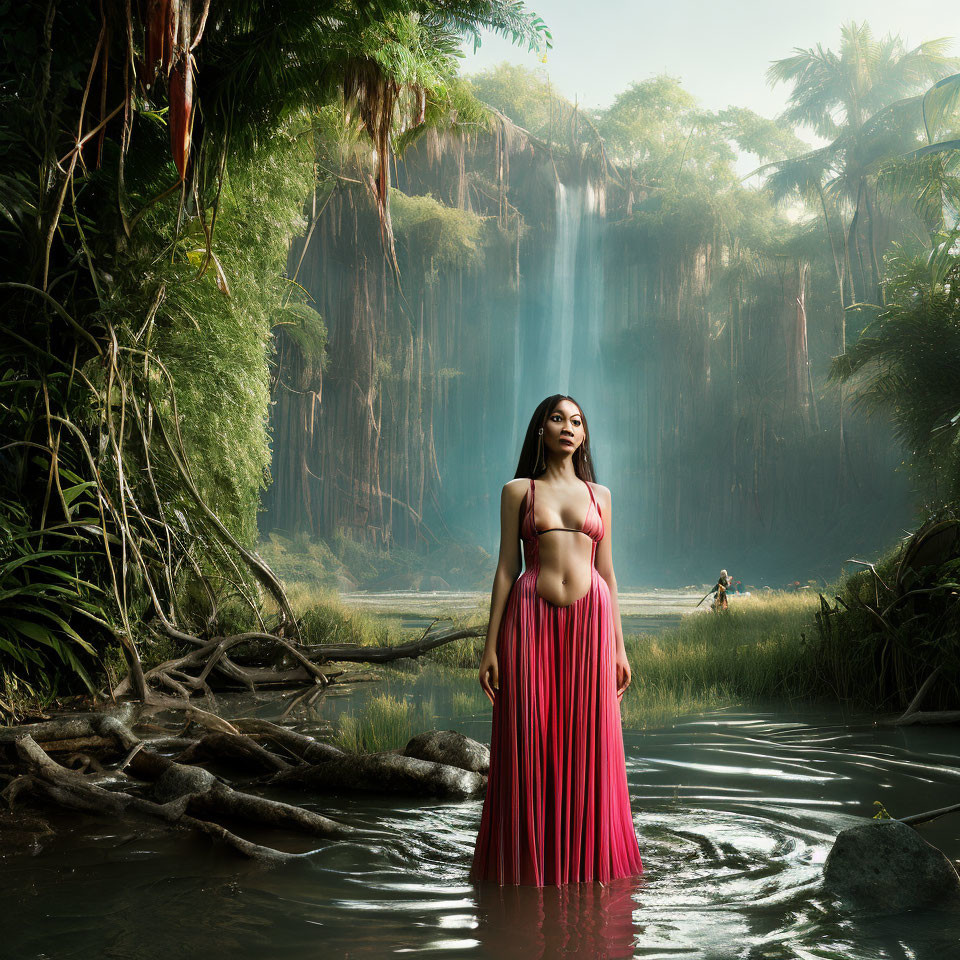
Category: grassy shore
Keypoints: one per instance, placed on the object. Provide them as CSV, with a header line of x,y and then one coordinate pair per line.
x,y
759,649
762,648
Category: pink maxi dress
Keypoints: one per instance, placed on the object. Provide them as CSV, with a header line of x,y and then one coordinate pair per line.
x,y
557,808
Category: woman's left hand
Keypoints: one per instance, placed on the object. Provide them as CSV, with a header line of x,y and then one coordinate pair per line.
x,y
623,673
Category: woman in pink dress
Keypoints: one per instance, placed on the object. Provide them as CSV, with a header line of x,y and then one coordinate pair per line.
x,y
557,808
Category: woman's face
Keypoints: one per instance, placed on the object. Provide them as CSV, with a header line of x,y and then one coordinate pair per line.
x,y
563,432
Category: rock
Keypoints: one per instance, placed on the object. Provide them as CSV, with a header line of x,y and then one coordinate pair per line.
x,y
403,580
888,865
450,747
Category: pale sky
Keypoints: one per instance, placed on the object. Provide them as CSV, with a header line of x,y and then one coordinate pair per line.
x,y
719,50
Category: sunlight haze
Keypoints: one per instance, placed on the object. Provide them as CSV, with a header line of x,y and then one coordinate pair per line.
x,y
720,52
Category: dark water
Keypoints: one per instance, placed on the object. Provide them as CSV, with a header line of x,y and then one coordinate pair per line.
x,y
735,812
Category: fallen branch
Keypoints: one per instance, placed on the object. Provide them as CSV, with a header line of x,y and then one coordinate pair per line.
x,y
212,657
926,717
356,653
383,773
916,818
920,695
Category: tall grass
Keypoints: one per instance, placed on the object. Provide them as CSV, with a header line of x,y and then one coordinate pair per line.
x,y
387,723
325,618
758,649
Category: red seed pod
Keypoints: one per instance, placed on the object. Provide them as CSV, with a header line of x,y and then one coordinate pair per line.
x,y
155,43
181,107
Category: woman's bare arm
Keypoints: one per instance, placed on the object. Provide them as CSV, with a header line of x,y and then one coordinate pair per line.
x,y
604,558
509,562
508,569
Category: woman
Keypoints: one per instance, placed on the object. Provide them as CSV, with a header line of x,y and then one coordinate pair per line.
x,y
554,667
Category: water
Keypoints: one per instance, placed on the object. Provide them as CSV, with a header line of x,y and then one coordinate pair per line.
x,y
735,811
641,611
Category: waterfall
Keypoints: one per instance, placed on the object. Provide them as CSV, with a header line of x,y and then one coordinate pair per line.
x,y
569,214
576,320
574,328
591,273
559,323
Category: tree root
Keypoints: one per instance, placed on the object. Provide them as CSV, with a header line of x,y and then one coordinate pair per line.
x,y
192,673
49,781
913,714
238,751
383,773
182,794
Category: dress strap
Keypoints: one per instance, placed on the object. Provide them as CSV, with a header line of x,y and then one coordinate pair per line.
x,y
592,497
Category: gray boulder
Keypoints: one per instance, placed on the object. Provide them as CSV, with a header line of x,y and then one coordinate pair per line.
x,y
450,747
887,865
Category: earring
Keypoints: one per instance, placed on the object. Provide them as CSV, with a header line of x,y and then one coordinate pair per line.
x,y
540,449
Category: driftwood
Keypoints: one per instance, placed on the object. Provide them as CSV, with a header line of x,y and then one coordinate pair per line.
x,y
928,717
356,653
299,746
192,674
48,780
914,715
234,750
917,818
181,793
383,773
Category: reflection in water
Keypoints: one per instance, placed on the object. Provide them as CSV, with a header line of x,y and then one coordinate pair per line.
x,y
589,920
735,811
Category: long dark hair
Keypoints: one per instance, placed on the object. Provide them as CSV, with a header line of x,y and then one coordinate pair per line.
x,y
533,459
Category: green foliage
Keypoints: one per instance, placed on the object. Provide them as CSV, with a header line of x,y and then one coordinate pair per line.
x,y
768,139
754,651
896,621
214,346
833,91
864,99
440,235
137,335
652,125
325,619
905,363
524,95
41,591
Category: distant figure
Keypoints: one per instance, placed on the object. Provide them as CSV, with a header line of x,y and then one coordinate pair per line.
x,y
720,592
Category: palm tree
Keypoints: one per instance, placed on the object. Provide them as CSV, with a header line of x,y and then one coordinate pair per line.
x,y
905,363
859,100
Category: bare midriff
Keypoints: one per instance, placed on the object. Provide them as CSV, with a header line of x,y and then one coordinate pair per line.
x,y
565,567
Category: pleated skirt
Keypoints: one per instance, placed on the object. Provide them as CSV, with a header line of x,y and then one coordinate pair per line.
x,y
557,806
